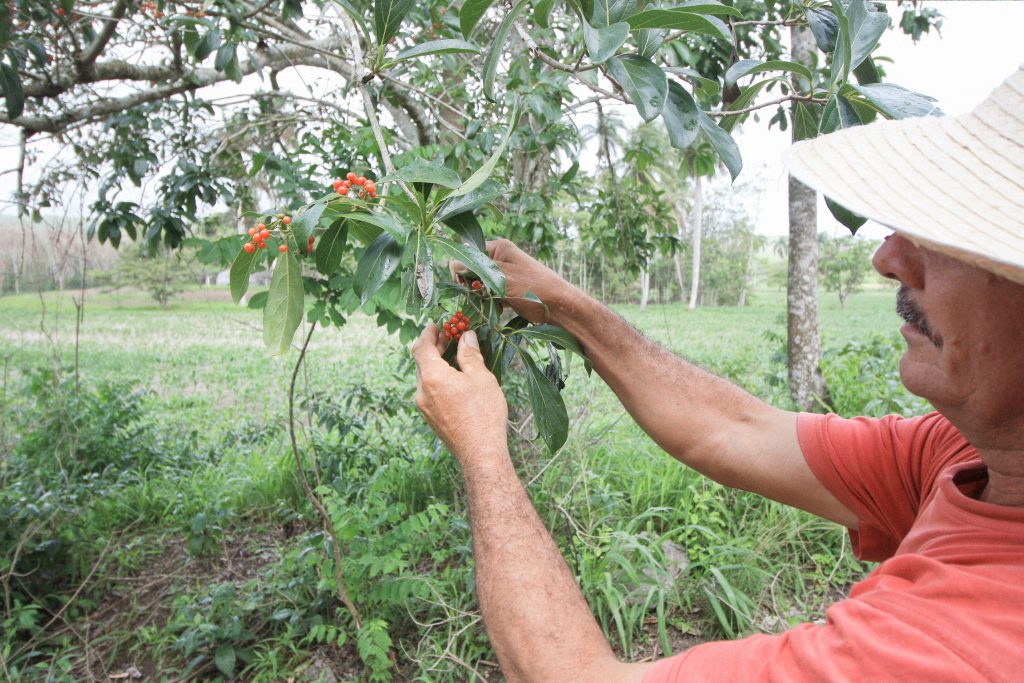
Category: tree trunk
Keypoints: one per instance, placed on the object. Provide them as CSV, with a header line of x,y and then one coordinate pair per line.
x,y
680,213
645,287
806,383
746,274
698,228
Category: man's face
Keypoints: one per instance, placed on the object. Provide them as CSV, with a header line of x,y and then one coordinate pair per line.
x,y
965,335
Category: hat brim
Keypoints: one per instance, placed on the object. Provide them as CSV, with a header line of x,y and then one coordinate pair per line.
x,y
952,183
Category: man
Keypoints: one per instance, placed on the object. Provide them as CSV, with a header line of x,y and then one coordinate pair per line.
x,y
938,499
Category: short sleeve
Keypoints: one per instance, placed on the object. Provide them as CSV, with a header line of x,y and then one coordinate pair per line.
x,y
881,469
860,643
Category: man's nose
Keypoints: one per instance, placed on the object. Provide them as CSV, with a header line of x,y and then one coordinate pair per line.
x,y
899,259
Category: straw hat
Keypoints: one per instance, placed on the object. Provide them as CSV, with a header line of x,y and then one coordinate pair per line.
x,y
953,184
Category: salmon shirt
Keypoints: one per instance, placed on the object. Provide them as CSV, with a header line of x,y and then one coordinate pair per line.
x,y
947,601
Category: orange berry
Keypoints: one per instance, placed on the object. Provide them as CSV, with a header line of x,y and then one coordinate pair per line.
x,y
249,247
350,176
343,190
261,245
283,248
361,180
252,231
287,220
264,234
260,227
477,285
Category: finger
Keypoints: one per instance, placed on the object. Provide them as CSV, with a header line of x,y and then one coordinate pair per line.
x,y
457,269
469,356
425,349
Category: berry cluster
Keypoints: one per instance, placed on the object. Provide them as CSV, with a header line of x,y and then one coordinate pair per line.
x,y
259,236
458,324
157,14
367,188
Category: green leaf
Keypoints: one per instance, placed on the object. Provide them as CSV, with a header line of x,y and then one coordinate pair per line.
x,y
357,18
387,17
555,335
608,12
376,265
604,42
437,47
498,46
703,86
896,102
380,219
842,53
805,121
749,67
423,271
542,12
484,194
470,14
824,27
467,227
225,53
648,41
723,144
747,96
14,95
207,44
224,658
422,171
283,312
241,268
643,81
837,114
484,172
681,116
848,218
866,27
330,248
549,411
477,261
680,20
570,174
305,223
257,301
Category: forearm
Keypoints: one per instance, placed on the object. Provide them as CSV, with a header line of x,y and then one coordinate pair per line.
x,y
689,412
539,623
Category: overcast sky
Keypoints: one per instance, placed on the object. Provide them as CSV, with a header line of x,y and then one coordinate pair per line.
x,y
978,48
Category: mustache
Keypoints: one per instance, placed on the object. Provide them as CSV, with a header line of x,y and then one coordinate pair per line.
x,y
908,310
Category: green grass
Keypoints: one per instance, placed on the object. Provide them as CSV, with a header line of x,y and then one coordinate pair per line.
x,y
209,478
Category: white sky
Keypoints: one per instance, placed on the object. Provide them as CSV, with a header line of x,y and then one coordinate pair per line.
x,y
978,48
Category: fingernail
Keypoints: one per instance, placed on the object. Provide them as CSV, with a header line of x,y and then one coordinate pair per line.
x,y
471,340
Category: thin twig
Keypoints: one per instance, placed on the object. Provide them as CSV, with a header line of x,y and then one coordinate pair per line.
x,y
325,516
747,110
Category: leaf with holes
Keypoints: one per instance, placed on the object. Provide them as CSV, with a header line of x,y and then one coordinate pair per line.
x,y
643,81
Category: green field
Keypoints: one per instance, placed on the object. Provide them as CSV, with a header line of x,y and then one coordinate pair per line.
x,y
154,520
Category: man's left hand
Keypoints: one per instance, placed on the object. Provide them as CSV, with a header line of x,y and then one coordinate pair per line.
x,y
465,407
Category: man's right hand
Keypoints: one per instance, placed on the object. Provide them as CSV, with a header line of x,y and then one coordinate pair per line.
x,y
525,274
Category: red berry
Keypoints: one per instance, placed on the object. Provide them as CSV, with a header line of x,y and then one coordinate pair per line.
x,y
264,234
477,284
311,240
350,176
283,248
262,245
372,193
463,324
252,231
370,186
260,227
249,247
343,190
361,180
287,220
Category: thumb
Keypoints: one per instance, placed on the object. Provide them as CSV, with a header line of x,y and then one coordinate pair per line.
x,y
469,356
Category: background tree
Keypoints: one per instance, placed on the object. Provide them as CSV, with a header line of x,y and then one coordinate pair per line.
x,y
845,263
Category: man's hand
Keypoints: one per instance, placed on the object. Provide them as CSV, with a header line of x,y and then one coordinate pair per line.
x,y
466,408
523,274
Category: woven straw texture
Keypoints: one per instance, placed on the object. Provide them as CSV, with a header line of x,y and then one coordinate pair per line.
x,y
953,184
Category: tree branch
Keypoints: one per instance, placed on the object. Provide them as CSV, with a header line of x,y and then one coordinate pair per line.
x,y
103,37
747,110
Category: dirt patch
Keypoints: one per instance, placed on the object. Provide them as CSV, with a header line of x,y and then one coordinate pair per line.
x,y
141,603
